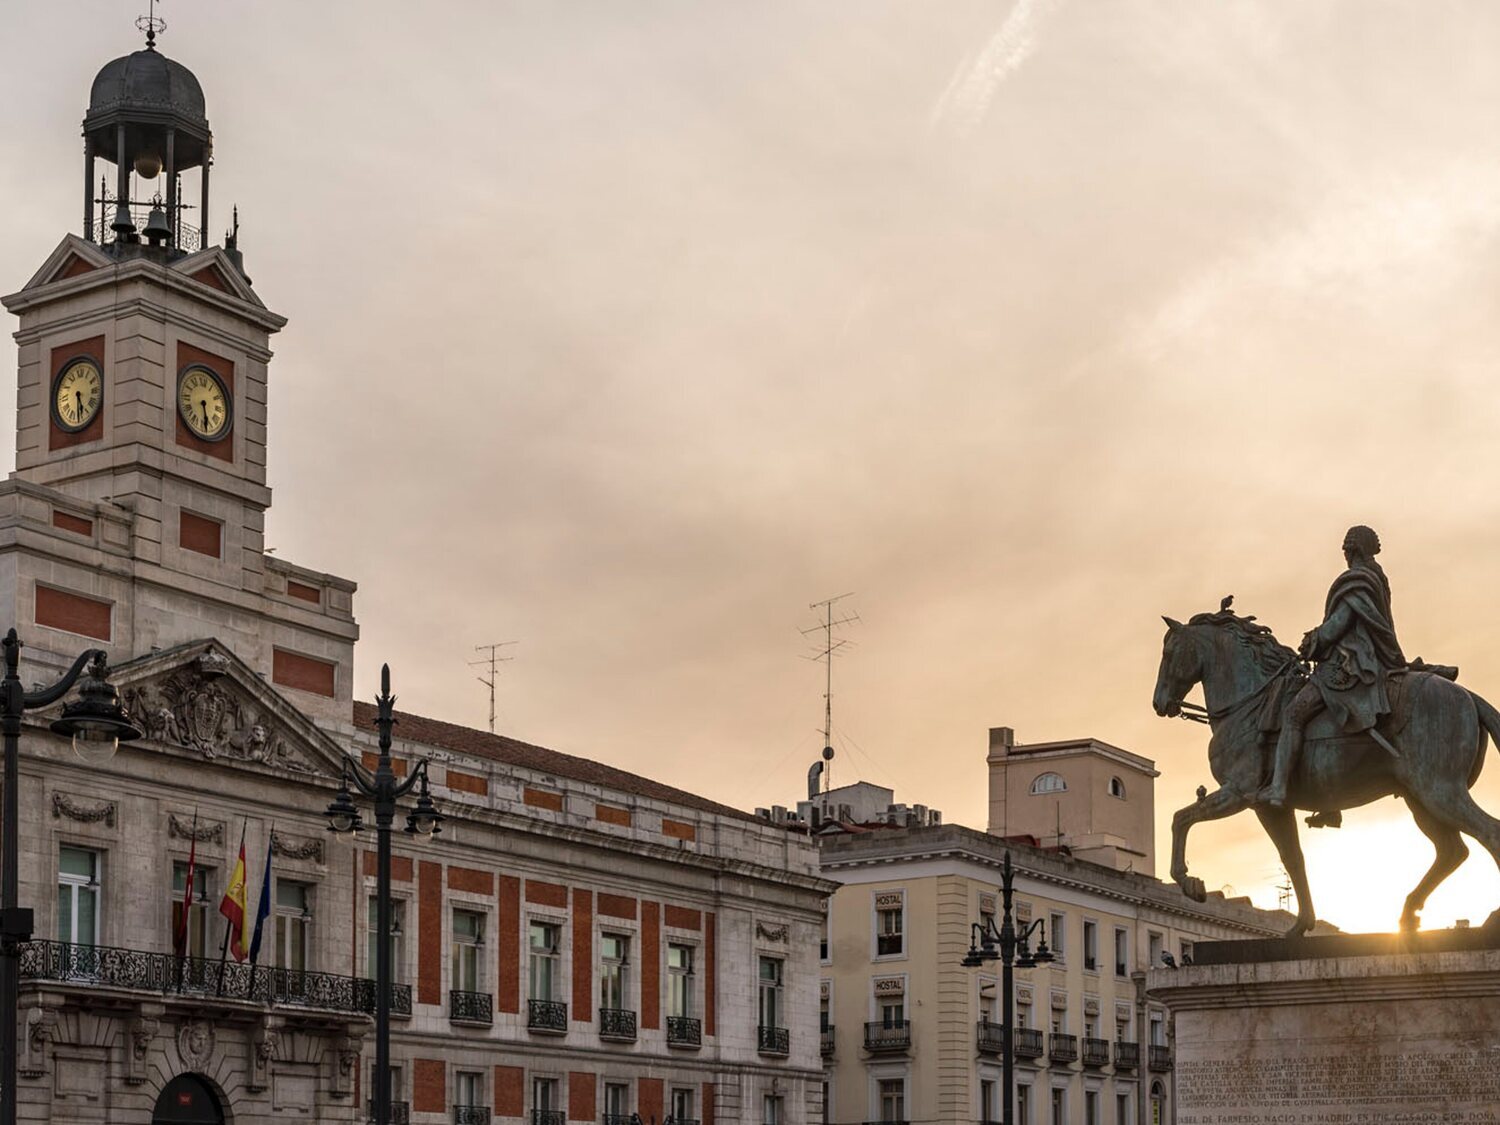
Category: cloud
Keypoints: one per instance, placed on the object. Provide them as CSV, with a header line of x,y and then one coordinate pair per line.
x,y
967,99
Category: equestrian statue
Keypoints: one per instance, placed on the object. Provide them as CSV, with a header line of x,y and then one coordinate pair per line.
x,y
1342,722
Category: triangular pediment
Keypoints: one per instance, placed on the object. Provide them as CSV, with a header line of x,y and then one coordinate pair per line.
x,y
213,267
201,699
72,257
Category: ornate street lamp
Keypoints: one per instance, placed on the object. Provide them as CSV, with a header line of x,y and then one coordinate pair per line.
x,y
382,789
97,724
1014,953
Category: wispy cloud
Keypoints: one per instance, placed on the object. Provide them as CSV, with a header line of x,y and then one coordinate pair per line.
x,y
967,99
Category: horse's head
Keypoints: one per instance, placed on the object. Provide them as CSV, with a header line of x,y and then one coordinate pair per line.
x,y
1181,668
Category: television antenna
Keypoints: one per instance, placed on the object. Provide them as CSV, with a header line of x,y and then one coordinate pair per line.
x,y
492,661
831,647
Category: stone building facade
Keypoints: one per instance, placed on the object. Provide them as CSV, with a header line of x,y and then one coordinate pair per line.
x,y
579,943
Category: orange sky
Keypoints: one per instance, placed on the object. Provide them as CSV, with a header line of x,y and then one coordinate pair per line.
x,y
628,330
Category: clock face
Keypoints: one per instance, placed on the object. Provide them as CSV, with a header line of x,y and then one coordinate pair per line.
x,y
204,403
77,395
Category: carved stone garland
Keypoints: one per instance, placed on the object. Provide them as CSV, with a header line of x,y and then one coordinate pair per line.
x,y
211,832
288,848
63,807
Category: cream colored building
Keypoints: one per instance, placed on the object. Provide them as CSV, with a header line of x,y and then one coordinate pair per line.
x,y
911,1035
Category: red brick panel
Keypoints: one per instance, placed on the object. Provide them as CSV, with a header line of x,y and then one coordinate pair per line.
x,y
678,830
430,934
305,673
580,1095
75,267
210,277
681,918
611,815
224,369
542,799
508,988
400,867
510,1091
429,1086
583,955
72,613
648,1098
616,906
76,524
467,782
708,1104
472,880
547,894
371,759
710,972
205,536
303,591
650,972
93,347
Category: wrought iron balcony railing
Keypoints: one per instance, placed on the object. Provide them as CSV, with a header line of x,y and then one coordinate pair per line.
x,y
471,1115
471,1007
547,1016
989,1037
617,1119
773,1041
888,1035
1026,1043
400,1112
1095,1052
684,1031
548,1117
617,1023
1159,1057
1127,1056
1062,1048
826,1041
102,966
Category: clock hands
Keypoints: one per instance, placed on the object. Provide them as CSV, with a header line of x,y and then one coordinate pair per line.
x,y
203,406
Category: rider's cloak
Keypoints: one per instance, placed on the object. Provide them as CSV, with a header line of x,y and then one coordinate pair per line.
x,y
1355,648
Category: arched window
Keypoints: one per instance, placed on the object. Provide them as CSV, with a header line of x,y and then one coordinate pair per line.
x,y
1158,1104
1116,788
1049,783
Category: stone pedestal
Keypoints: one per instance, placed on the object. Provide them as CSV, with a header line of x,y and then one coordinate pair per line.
x,y
1366,1029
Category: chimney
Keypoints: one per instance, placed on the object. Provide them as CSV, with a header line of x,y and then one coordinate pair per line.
x,y
1002,741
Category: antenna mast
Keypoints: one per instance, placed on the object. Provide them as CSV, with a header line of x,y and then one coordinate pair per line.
x,y
492,661
831,646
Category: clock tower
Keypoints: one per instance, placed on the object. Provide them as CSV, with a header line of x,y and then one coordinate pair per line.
x,y
135,519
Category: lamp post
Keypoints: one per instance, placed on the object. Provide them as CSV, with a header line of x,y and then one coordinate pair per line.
x,y
383,790
97,725
1014,952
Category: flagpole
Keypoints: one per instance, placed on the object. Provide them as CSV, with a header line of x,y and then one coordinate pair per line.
x,y
259,917
229,922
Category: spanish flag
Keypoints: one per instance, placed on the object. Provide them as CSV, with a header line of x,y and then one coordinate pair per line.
x,y
232,906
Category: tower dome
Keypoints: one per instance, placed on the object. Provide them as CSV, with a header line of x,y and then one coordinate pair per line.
x,y
147,81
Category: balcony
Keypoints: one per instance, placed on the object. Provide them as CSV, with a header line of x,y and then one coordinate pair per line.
x,y
1159,1057
825,1041
1095,1052
547,1017
471,1007
400,1112
773,1041
1127,1056
616,1119
683,1031
887,1036
471,1115
989,1037
1062,1048
617,1024
1027,1043
98,968
544,1117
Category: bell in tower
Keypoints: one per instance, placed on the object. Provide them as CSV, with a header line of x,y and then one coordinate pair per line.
x,y
146,116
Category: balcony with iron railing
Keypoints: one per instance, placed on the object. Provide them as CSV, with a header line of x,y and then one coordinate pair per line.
x,y
548,1117
617,1119
1062,1048
826,1041
471,1007
1095,1051
99,968
1159,1057
888,1036
773,1041
400,1112
1026,1043
547,1017
471,1115
1127,1056
989,1037
617,1024
684,1031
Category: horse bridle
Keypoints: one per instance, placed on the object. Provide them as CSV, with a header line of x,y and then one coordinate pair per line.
x,y
1196,714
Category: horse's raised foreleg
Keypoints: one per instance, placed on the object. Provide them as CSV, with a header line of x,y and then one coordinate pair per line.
x,y
1451,852
1281,826
1212,806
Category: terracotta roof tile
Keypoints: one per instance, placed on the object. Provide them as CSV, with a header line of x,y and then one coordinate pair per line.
x,y
511,752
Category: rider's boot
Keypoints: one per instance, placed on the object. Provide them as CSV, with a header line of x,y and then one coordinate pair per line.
x,y
1287,747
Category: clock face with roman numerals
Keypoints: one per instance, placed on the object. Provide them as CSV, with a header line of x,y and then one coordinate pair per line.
x,y
204,403
77,395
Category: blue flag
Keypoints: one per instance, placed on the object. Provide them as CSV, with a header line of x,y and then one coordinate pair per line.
x,y
264,911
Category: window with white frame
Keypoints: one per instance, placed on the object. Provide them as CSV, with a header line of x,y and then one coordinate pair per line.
x,y
771,983
890,1009
468,951
372,938
614,961
682,1104
544,1095
1059,1106
988,1103
198,908
1122,1025
1116,788
616,1103
892,1093
1187,952
1122,1109
1122,952
1059,1013
398,1088
1154,949
1023,1104
890,924
771,1109
293,924
1057,933
1049,783
1158,1030
679,981
78,895
1091,1108
545,939
1090,945
468,1088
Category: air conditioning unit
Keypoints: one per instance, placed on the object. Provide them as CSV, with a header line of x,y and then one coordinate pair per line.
x,y
921,813
935,817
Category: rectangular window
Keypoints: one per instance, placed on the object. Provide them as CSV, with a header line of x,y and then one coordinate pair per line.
x,y
1091,1107
1122,952
682,1104
1090,1027
889,936
680,981
1023,1105
770,992
616,1101
1154,948
1090,945
1122,1029
1023,1015
1059,1106
544,1094
468,1088
893,1099
545,940
1057,933
987,1102
77,896
893,1011
824,948
372,944
1158,1030
198,910
771,1110
1187,952
293,924
468,951
1122,1109
614,986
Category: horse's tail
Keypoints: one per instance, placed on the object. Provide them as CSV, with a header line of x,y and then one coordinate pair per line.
x,y
1488,716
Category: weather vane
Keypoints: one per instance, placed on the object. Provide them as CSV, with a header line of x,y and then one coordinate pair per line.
x,y
151,23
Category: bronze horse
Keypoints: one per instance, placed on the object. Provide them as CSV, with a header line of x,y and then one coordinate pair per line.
x,y
1438,738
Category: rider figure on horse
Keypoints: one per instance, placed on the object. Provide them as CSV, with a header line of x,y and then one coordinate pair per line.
x,y
1355,649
